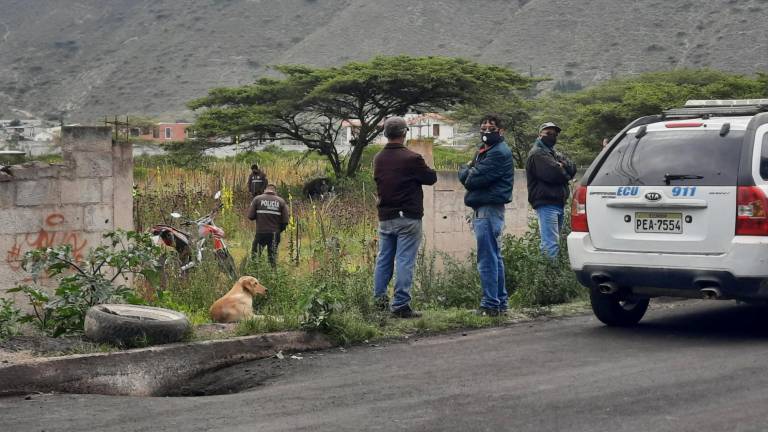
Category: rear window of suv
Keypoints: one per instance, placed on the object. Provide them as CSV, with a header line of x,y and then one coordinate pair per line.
x,y
694,153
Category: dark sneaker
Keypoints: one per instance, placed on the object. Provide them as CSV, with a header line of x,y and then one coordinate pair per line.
x,y
487,312
381,303
405,312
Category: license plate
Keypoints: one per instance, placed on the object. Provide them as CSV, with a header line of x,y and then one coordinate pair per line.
x,y
665,223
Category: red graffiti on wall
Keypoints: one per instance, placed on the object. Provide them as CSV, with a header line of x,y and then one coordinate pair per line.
x,y
46,238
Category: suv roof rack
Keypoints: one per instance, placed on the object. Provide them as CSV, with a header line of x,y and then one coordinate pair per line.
x,y
718,108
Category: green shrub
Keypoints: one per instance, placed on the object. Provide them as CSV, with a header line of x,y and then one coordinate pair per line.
x,y
317,304
86,282
197,289
534,280
10,319
265,324
335,298
336,289
169,299
349,326
455,285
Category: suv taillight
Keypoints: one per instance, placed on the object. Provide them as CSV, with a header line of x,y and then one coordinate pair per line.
x,y
751,211
579,210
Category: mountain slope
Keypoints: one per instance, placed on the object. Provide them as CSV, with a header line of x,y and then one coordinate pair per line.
x,y
92,58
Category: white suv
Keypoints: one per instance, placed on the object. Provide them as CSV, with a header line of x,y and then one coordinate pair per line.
x,y
675,205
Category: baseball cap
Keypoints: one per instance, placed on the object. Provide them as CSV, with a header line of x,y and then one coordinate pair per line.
x,y
394,127
549,125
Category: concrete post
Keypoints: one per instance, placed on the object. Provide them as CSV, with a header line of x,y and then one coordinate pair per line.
x,y
424,148
75,203
121,185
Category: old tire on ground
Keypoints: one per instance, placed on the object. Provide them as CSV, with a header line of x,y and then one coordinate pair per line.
x,y
132,325
616,311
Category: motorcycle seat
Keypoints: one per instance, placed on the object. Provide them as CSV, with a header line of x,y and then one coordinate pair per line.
x,y
161,227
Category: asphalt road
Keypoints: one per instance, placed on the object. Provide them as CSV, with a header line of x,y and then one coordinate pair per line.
x,y
696,366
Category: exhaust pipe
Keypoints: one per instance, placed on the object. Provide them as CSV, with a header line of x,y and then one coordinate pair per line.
x,y
608,287
711,293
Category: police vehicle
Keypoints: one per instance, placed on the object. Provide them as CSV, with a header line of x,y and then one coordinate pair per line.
x,y
675,205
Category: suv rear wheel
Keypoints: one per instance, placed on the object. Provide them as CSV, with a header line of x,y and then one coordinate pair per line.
x,y
616,311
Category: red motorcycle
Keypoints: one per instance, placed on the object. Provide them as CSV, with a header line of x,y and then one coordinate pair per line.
x,y
189,249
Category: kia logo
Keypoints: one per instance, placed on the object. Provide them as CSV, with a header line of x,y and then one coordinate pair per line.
x,y
653,196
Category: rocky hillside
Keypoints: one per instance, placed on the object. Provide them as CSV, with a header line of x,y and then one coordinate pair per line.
x,y
91,58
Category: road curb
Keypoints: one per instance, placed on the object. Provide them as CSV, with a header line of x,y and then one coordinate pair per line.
x,y
148,371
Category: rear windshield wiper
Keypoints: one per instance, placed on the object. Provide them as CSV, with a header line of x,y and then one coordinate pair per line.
x,y
669,177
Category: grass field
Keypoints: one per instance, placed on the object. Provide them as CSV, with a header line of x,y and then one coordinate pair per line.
x,y
324,276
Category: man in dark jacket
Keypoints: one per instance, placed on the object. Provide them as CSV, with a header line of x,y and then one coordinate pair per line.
x,y
488,178
257,181
271,215
548,174
399,174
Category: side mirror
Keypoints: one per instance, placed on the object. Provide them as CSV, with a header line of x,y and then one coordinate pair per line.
x,y
217,195
175,215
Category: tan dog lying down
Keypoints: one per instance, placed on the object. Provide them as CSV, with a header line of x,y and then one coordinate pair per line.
x,y
236,305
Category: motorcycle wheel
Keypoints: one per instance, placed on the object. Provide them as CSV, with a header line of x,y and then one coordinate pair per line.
x,y
226,263
170,266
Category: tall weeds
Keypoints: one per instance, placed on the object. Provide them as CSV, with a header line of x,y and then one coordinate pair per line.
x,y
533,279
324,276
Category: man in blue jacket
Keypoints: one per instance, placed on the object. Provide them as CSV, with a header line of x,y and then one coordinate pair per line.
x,y
488,179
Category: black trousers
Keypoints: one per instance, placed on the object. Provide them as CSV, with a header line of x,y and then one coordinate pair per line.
x,y
268,240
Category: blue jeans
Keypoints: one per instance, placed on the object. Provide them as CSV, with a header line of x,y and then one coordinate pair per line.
x,y
550,223
399,241
488,225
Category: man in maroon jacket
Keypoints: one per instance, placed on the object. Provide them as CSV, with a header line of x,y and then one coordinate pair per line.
x,y
399,175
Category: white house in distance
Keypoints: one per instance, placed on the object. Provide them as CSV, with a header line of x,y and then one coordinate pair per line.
x,y
431,125
427,125
22,129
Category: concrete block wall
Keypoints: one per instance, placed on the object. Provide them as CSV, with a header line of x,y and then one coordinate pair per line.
x,y
73,203
450,230
445,225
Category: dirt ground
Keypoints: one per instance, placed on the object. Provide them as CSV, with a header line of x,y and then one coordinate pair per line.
x,y
30,346
7,357
21,348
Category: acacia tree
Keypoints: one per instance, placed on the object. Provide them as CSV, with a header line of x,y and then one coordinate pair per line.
x,y
514,112
589,116
309,104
